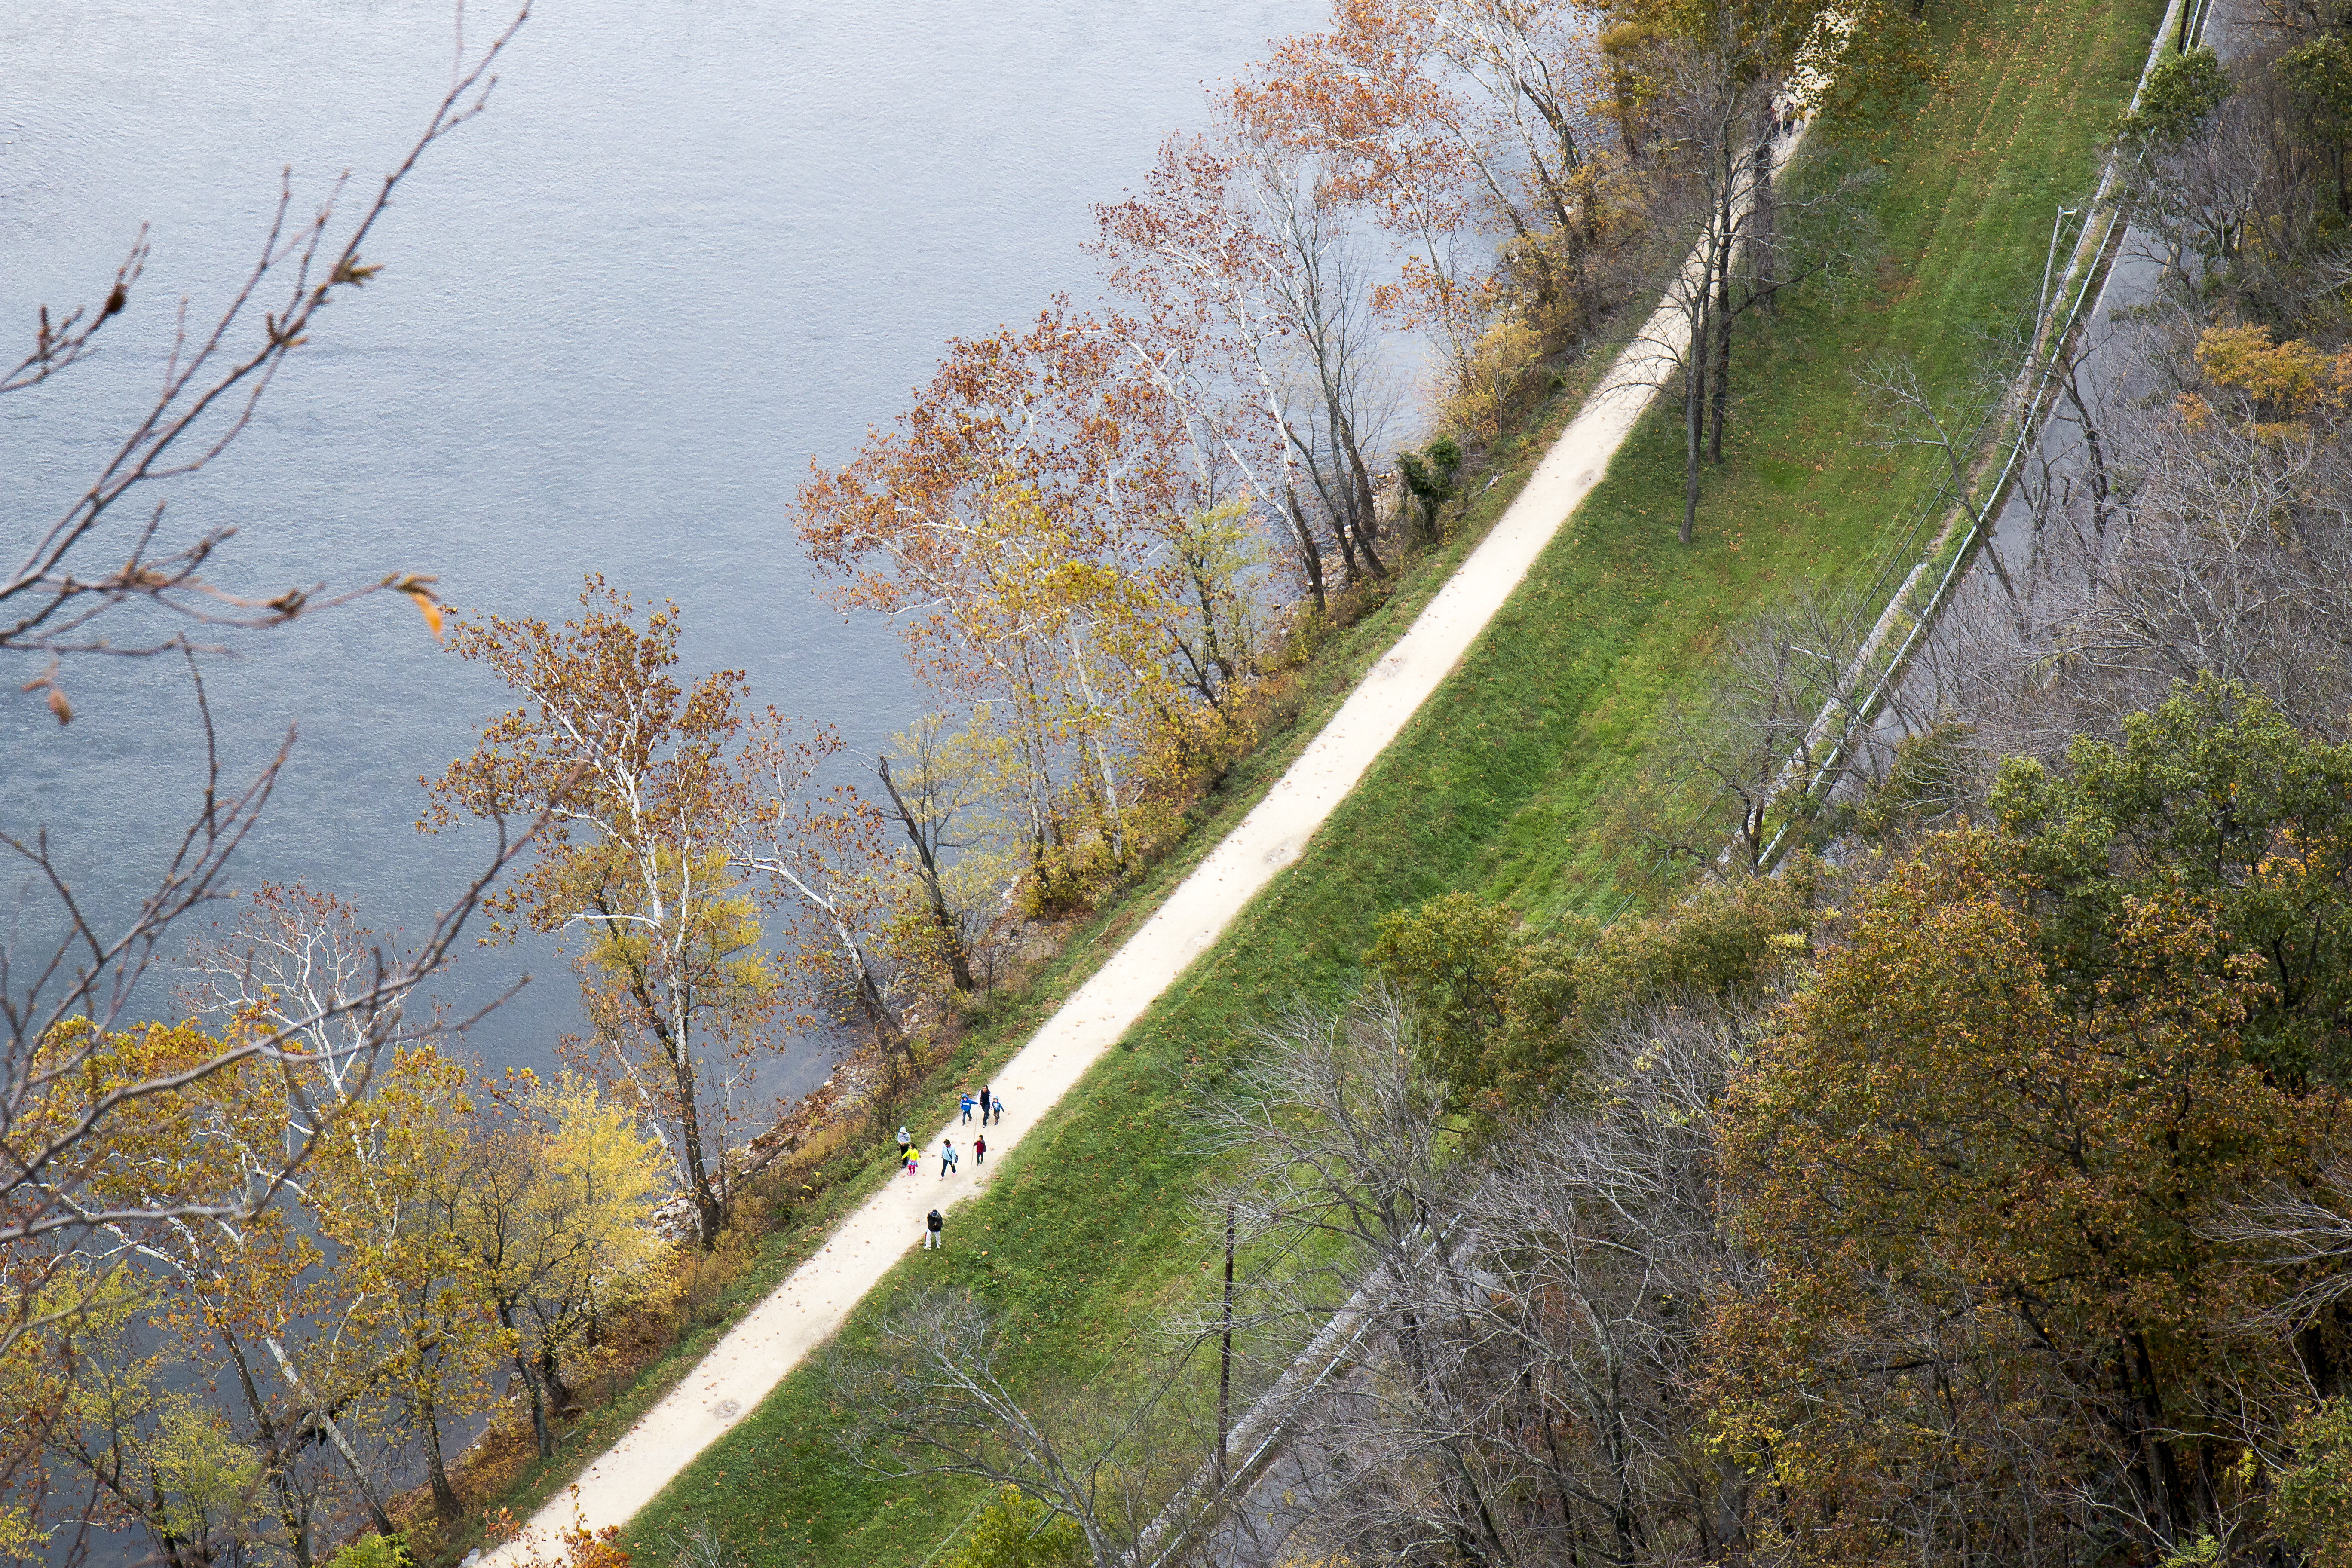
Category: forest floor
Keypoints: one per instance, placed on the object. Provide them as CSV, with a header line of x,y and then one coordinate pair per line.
x,y
1085,1235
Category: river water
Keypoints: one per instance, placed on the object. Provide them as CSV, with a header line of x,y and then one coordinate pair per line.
x,y
692,245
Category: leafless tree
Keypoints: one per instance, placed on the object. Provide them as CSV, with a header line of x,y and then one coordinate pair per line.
x,y
925,809
1332,408
2246,202
1256,315
820,850
2306,1233
1344,1163
1336,1136
304,962
1706,190
927,1398
1535,67
105,577
2170,534
1777,731
1909,417
2231,559
1525,1385
1599,1247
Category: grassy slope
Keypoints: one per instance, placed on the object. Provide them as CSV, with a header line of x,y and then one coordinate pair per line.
x,y
1325,682
1492,786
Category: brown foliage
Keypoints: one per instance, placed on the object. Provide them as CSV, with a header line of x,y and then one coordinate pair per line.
x,y
1986,1200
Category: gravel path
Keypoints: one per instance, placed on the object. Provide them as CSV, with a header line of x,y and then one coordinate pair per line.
x,y
817,1298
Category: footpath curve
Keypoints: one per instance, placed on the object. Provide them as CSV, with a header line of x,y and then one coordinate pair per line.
x,y
816,1298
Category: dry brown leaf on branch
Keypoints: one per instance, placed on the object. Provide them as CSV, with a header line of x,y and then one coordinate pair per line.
x,y
420,589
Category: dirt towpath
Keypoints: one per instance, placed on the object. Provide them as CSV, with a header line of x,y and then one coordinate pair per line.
x,y
776,1335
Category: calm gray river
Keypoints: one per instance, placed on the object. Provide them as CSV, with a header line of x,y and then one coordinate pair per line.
x,y
693,244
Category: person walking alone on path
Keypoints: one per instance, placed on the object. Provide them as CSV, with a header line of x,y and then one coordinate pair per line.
x,y
946,1157
935,1224
967,1110
979,1151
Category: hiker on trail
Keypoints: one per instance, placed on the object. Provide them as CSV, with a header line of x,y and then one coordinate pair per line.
x,y
904,1143
984,1107
931,1237
999,1108
946,1157
913,1157
979,1150
967,1110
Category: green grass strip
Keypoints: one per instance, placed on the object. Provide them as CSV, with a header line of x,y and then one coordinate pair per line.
x,y
1495,785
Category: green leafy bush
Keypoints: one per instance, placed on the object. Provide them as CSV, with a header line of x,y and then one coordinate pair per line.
x,y
1016,1530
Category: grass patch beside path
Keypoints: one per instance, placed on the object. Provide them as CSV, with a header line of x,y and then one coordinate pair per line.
x,y
1494,784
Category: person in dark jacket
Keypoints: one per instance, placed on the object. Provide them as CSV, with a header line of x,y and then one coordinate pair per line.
x,y
979,1151
983,1106
937,1223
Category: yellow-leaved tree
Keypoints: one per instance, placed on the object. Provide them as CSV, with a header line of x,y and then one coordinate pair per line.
x,y
388,1192
556,1202
644,787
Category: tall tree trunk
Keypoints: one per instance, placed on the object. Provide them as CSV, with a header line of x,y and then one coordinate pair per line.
x,y
2100,493
1764,224
1373,565
1310,558
1620,101
934,888
1723,248
289,1509
709,1213
1226,1358
1719,393
1351,568
673,1035
562,1398
325,1416
176,1552
542,1440
436,1468
1694,413
1106,770
1359,480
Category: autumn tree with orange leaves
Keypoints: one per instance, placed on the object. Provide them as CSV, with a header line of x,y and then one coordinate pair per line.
x,y
643,783
1456,128
1254,303
819,853
1987,1189
1040,523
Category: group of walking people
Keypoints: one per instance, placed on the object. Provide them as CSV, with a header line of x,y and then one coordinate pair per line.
x,y
990,1106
